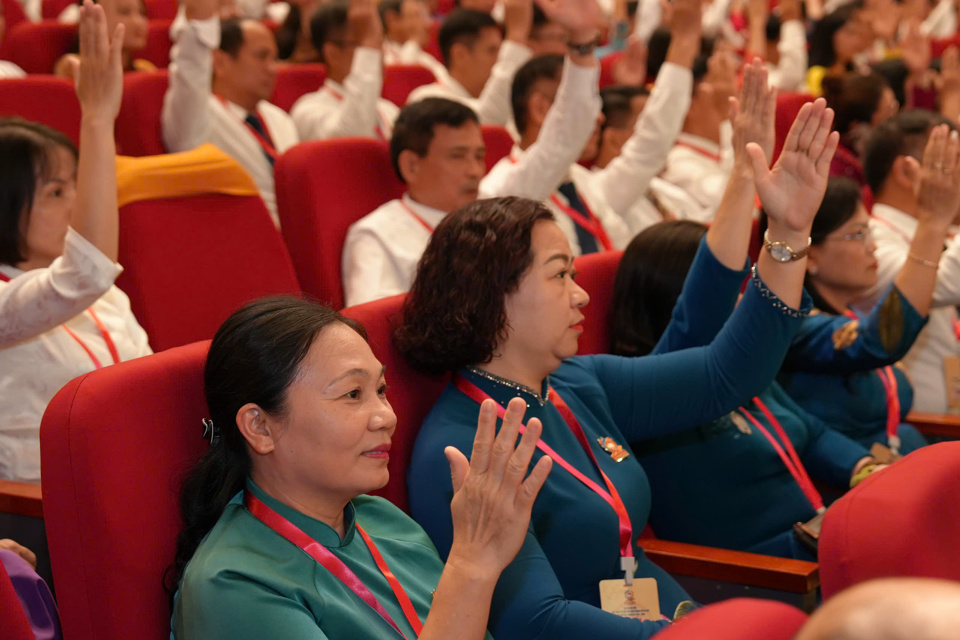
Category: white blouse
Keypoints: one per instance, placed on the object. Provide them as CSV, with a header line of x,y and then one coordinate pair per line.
x,y
38,356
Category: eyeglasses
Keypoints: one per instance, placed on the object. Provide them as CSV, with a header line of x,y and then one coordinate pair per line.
x,y
863,236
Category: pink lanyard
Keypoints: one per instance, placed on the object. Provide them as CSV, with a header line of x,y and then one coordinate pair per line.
x,y
889,380
610,494
265,143
111,347
335,565
339,98
425,224
703,152
787,453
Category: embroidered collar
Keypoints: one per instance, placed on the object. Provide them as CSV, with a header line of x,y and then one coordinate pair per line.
x,y
541,398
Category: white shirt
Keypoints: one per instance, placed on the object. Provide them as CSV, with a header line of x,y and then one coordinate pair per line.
x,y
10,70
353,108
941,22
493,105
790,73
893,231
382,249
37,355
701,168
192,115
410,53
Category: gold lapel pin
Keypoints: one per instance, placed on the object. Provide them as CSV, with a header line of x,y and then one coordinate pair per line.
x,y
618,453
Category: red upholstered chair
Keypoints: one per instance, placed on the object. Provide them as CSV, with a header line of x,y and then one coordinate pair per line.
x,y
115,446
400,79
433,45
597,272
788,106
903,521
45,99
295,80
36,46
13,619
738,619
323,187
12,15
138,129
499,142
161,9
50,9
937,47
158,46
411,394
607,63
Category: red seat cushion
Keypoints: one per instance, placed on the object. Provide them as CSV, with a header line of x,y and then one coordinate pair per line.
x,y
158,46
36,46
738,619
498,141
45,99
597,272
138,128
295,80
788,106
400,79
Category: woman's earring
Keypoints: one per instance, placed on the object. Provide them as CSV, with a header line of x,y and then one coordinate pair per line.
x,y
812,271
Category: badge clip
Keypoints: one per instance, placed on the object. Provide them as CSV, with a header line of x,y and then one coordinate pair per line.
x,y
628,565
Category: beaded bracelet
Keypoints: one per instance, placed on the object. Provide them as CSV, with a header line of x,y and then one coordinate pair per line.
x,y
770,295
918,259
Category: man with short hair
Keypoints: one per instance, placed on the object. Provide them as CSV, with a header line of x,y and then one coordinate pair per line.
x,y
406,27
891,165
480,62
221,76
349,37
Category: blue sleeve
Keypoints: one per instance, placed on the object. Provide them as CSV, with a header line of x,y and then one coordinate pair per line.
x,y
829,455
656,395
833,344
709,295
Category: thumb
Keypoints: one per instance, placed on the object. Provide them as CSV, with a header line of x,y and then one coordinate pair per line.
x,y
758,161
734,107
458,466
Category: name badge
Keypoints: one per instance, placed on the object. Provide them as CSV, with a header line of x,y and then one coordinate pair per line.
x,y
951,373
639,601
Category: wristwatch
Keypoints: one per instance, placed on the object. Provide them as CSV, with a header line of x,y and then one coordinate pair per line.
x,y
584,49
781,251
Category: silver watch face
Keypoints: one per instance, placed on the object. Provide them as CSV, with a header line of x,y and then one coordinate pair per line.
x,y
781,252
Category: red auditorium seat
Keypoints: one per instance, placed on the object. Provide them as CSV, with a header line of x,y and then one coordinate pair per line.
x,y
738,619
158,46
323,187
115,446
411,394
138,127
597,272
50,9
400,79
41,98
607,63
12,15
161,9
36,46
16,626
937,47
498,141
295,80
903,521
788,106
433,45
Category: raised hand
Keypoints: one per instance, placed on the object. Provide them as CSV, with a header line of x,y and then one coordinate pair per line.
x,y
937,186
685,18
517,19
491,499
99,70
631,68
580,17
753,114
201,9
791,192
916,50
363,22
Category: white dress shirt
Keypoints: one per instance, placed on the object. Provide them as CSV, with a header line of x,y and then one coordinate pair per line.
x,y
941,22
410,53
353,108
493,105
893,231
790,73
38,356
701,168
192,115
10,70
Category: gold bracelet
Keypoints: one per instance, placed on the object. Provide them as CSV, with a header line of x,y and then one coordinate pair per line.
x,y
926,263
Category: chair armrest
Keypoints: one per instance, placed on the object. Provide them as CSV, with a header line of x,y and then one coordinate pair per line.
x,y
740,567
21,498
935,424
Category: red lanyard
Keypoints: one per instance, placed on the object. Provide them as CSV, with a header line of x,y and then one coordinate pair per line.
x,y
891,226
426,225
339,98
335,565
786,452
889,380
703,152
103,332
265,143
609,494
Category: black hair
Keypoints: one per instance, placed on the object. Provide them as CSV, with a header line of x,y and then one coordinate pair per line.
x,y
287,33
462,26
895,72
772,28
822,52
328,24
414,127
854,97
657,49
386,7
231,35
545,67
648,283
26,159
905,134
617,107
840,202
255,356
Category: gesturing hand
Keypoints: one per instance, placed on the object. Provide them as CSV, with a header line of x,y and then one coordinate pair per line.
x,y
491,500
99,70
938,180
792,191
363,22
754,113
580,17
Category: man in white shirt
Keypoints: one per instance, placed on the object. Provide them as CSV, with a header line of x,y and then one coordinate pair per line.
x,y
593,207
221,76
480,62
406,26
349,38
891,172
438,151
780,39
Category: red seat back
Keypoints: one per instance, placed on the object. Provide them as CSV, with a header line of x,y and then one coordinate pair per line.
x,y
498,141
295,80
46,99
323,187
788,106
190,262
139,129
158,46
937,47
36,46
738,619
597,272
115,446
433,44
607,63
50,9
12,15
399,80
411,394
16,626
903,521
161,9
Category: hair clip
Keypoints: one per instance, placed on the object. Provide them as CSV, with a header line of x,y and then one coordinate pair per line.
x,y
211,432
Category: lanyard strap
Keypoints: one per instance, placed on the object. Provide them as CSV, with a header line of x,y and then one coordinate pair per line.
x,y
335,565
891,226
786,452
703,152
426,225
610,494
339,98
889,380
111,347
265,143
588,221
